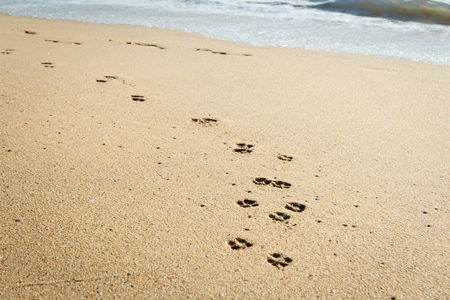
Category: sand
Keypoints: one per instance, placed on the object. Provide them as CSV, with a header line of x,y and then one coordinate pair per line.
x,y
154,164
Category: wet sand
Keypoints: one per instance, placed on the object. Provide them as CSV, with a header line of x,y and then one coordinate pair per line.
x,y
154,164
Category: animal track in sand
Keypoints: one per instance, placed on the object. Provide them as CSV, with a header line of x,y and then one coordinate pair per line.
x,y
48,64
295,207
55,41
204,121
107,78
244,148
279,217
29,32
7,51
146,44
138,98
222,52
247,203
239,244
284,157
279,260
275,183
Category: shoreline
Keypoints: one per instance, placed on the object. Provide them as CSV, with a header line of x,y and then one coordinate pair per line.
x,y
151,163
244,43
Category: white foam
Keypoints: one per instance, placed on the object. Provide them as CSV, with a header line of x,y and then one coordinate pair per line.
x,y
258,23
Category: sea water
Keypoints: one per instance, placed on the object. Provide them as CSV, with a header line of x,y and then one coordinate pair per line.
x,y
410,29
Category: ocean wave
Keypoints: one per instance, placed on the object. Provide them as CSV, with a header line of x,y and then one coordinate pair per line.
x,y
424,11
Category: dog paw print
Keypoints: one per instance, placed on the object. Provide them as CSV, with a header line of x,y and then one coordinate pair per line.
x,y
137,98
244,148
108,78
7,51
47,64
239,244
279,260
275,183
285,157
204,121
279,217
295,207
281,184
262,181
247,203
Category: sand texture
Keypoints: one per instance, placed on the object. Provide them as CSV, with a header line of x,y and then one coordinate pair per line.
x,y
140,163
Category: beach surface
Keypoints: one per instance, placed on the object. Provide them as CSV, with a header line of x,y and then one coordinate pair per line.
x,y
154,164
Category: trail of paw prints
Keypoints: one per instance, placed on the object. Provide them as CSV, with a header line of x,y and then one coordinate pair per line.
x,y
239,244
275,183
244,148
138,98
246,203
62,42
284,157
279,260
7,51
146,45
222,52
204,121
47,64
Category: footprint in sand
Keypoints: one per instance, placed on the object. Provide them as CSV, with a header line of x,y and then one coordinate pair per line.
x,y
295,207
239,244
55,41
107,78
137,98
284,157
244,148
29,32
146,45
247,203
48,64
204,121
275,183
7,51
280,217
222,52
279,260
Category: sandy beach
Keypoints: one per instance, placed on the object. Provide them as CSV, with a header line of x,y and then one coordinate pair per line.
x,y
141,163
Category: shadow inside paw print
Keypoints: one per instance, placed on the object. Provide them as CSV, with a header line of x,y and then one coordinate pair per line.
x,y
204,121
262,181
279,260
296,207
243,148
137,98
279,217
107,78
285,157
7,51
275,183
47,64
247,203
239,244
281,184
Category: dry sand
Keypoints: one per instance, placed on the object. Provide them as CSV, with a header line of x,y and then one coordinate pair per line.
x,y
106,196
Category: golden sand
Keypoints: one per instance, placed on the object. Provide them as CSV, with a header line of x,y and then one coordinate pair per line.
x,y
148,163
